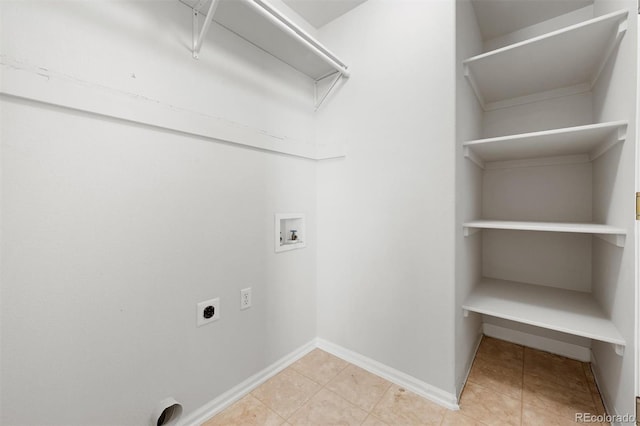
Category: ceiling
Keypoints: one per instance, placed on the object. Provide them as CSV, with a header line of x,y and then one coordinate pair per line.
x,y
499,17
321,12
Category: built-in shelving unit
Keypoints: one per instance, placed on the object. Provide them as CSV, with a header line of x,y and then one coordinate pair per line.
x,y
265,27
593,140
559,63
556,309
564,62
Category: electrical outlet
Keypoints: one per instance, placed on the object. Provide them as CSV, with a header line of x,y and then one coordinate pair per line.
x,y
245,298
207,311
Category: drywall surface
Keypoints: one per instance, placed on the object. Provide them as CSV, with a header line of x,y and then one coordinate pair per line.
x,y
386,212
469,178
554,24
113,231
567,111
613,177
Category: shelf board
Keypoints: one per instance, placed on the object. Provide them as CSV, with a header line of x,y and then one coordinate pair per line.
x,y
561,62
593,140
611,234
263,26
567,311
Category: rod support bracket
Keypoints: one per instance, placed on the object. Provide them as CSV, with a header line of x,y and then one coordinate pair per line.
x,y
619,349
199,33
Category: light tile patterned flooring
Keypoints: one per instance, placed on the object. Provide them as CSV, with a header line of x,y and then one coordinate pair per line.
x,y
508,385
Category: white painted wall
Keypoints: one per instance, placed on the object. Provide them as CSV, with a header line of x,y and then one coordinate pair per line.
x,y
469,196
553,24
386,217
111,231
613,175
567,111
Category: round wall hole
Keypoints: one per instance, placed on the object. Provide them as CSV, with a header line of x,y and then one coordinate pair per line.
x,y
168,413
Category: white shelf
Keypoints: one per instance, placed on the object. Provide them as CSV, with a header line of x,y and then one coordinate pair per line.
x,y
583,228
556,309
263,26
593,140
562,62
608,233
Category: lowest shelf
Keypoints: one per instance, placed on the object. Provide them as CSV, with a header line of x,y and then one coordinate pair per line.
x,y
566,311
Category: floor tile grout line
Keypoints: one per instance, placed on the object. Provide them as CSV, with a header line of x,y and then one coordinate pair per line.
x,y
320,384
379,399
305,402
286,419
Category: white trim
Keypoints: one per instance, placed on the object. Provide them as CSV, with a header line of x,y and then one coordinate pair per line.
x,y
417,386
637,231
202,414
37,84
432,393
463,382
595,369
568,350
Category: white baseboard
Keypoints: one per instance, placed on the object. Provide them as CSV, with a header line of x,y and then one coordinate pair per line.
x,y
470,363
411,383
417,386
557,347
212,408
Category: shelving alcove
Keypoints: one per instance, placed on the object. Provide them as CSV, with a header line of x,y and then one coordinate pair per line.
x,y
535,70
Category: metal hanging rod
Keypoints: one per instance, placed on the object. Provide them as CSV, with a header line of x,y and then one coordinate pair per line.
x,y
334,67
296,32
273,16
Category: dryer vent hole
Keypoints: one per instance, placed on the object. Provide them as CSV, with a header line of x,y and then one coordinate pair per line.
x,y
170,415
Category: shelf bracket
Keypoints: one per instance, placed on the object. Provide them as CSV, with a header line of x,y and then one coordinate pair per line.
x,y
617,240
472,82
619,136
200,33
468,153
617,37
470,231
338,76
619,349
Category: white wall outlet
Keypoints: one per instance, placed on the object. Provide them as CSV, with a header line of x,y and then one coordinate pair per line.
x,y
245,298
207,311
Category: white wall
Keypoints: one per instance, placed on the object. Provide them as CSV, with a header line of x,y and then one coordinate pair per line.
x,y
112,231
386,212
469,196
613,175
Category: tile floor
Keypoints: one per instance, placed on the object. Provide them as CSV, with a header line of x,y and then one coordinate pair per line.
x,y
508,385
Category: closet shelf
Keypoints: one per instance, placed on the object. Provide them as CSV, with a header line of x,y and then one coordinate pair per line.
x,y
562,62
608,233
567,311
263,26
593,140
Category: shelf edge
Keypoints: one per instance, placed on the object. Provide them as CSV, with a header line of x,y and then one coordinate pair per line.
x,y
619,14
